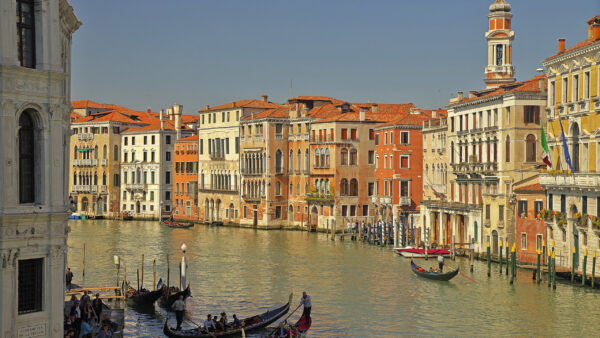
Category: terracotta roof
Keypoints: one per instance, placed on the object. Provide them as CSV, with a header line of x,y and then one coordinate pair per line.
x,y
281,112
582,44
154,125
189,138
81,104
394,108
189,118
315,98
407,120
531,187
243,104
531,85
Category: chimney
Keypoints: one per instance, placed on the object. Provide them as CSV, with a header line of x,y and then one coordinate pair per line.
x,y
542,84
170,113
207,107
162,123
362,115
375,108
594,29
461,96
265,98
561,45
177,109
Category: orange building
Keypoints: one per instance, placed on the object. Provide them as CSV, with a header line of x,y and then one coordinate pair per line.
x,y
185,180
530,226
399,166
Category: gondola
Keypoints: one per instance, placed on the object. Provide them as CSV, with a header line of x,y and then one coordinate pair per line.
x,y
299,330
419,271
252,323
173,224
142,297
170,296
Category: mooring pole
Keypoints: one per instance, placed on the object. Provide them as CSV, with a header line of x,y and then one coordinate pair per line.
x,y
489,261
583,272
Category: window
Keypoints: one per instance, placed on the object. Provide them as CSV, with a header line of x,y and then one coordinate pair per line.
x,y
277,188
167,197
385,138
522,208
278,159
278,212
353,187
376,139
531,114
168,139
523,241
371,134
26,158
30,289
371,156
487,212
132,140
584,205
499,55
537,207
563,204
404,189
167,177
168,156
344,134
151,195
507,149
26,33
237,145
404,163
344,157
344,187
530,148
317,157
353,157
370,188
392,137
575,94
404,139
501,212
565,90
586,85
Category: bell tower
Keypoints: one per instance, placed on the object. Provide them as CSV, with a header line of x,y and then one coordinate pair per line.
x,y
499,70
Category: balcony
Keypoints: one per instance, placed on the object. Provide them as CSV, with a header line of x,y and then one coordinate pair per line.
x,y
278,137
560,178
80,188
385,200
104,162
211,190
103,189
85,136
490,129
94,188
217,156
135,186
251,199
94,162
405,201
306,137
84,163
320,198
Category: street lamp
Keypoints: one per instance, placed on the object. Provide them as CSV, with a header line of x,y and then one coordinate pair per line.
x,y
182,268
160,210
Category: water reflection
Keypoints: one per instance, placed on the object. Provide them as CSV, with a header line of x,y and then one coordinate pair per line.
x,y
357,289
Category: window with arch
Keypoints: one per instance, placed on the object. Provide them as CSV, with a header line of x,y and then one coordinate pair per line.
x,y
530,148
299,161
278,159
507,149
307,160
26,33
95,152
344,187
327,157
353,187
291,161
104,152
277,188
317,155
452,152
27,158
353,157
344,157
116,153
75,153
323,163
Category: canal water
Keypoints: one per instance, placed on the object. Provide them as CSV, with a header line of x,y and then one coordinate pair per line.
x,y
357,289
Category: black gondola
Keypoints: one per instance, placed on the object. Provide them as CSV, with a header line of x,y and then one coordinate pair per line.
x,y
252,323
170,296
419,271
173,224
142,297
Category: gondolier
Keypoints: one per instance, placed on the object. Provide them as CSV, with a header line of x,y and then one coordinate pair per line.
x,y
179,307
305,300
441,263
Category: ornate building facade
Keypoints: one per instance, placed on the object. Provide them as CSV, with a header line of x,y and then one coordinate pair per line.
x,y
35,72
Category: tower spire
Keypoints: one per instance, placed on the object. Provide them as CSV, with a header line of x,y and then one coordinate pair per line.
x,y
499,70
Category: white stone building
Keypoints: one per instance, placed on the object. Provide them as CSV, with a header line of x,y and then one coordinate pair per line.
x,y
147,167
35,58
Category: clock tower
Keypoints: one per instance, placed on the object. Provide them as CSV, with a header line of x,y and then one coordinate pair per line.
x,y
499,70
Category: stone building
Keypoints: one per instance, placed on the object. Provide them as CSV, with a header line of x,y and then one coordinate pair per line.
x,y
219,158
573,191
185,181
35,73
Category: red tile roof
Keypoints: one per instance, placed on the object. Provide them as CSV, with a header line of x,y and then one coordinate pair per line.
x,y
81,104
189,118
408,120
281,112
315,98
243,104
189,138
530,188
154,125
582,44
531,85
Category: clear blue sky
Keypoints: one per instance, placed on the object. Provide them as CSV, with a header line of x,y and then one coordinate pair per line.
x,y
153,53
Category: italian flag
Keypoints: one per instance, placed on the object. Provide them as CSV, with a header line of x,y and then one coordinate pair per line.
x,y
545,151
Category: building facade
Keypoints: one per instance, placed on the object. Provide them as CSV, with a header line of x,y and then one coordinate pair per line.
x,y
219,158
530,224
573,107
185,180
35,73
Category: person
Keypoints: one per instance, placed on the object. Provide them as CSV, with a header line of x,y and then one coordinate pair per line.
x,y
441,262
76,312
307,305
85,299
70,323
179,307
216,322
70,305
106,321
89,313
348,226
70,333
97,306
223,320
105,332
236,322
86,329
209,326
69,278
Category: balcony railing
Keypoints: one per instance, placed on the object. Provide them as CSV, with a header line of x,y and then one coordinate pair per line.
x,y
251,198
103,189
557,178
135,186
278,137
320,198
104,162
218,190
217,156
84,162
85,136
81,188
405,201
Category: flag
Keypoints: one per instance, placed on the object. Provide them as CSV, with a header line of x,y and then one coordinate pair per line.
x,y
545,150
565,147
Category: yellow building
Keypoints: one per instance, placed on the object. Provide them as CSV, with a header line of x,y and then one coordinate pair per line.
x,y
574,104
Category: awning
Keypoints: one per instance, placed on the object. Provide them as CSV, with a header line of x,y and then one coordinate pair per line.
x,y
85,149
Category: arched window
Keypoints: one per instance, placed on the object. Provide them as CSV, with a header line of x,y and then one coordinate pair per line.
x,y
327,187
317,186
344,158
103,178
277,188
452,152
353,157
323,163
278,159
327,157
530,148
26,158
75,153
353,187
344,187
507,149
291,161
95,152
317,158
575,147
104,152
116,153
307,160
299,161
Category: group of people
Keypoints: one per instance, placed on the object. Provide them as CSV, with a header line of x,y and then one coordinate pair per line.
x,y
214,324
81,315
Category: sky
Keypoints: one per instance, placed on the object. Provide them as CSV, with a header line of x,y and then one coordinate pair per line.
x,y
154,53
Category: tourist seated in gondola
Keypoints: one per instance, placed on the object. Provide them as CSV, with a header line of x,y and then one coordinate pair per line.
x,y
223,320
209,326
236,322
218,324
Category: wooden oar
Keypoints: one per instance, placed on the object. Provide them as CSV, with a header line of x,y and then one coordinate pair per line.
x,y
462,274
286,318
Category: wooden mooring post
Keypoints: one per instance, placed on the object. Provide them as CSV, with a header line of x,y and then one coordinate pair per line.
x,y
83,259
583,272
538,267
500,257
573,265
489,260
142,279
154,274
507,259
594,269
168,272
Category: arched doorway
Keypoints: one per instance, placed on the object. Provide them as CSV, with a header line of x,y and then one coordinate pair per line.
x,y
290,214
99,206
84,204
218,210
206,210
314,217
137,207
231,211
494,242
